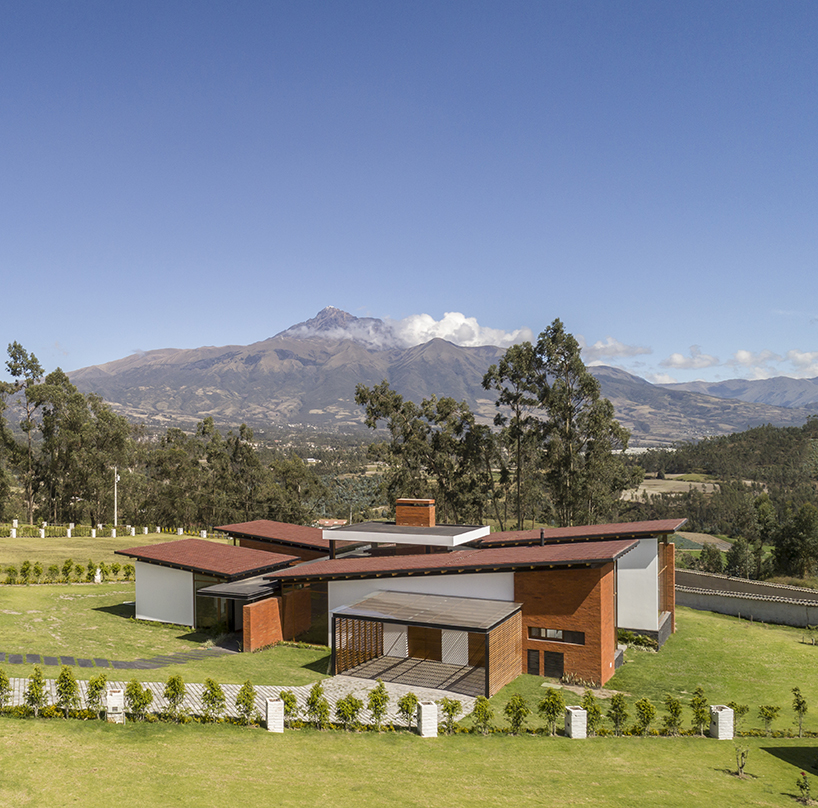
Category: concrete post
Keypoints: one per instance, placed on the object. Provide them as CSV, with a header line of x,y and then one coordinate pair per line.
x,y
13,532
145,531
275,715
721,722
203,534
179,531
427,719
115,706
71,525
93,532
14,524
113,532
576,722
68,533
42,533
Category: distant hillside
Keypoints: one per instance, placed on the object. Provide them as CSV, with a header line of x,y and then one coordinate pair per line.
x,y
781,391
306,376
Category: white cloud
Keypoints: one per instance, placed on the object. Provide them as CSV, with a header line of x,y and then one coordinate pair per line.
x,y
661,378
696,361
805,362
611,348
759,364
454,327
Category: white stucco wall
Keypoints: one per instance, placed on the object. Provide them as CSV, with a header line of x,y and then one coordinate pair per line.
x,y
491,586
164,594
638,587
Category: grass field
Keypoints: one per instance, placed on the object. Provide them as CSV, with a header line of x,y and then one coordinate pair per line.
x,y
56,550
61,763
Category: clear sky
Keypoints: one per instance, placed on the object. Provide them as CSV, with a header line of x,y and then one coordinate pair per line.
x,y
178,174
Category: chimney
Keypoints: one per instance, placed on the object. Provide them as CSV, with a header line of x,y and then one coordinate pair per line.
x,y
415,512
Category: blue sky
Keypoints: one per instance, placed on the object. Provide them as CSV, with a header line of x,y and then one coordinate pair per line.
x,y
177,174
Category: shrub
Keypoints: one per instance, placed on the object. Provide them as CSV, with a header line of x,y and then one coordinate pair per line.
x,y
672,722
408,707
78,571
645,713
739,711
213,699
483,715
90,571
5,688
174,696
803,786
593,712
347,710
25,572
551,708
67,569
246,702
103,570
68,691
37,572
318,706
450,708
93,693
53,572
35,691
290,706
128,571
618,712
137,699
378,703
11,574
767,713
516,711
799,704
115,568
701,710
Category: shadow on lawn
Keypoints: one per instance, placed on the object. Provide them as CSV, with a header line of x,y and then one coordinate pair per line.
x,y
118,609
319,666
128,611
804,758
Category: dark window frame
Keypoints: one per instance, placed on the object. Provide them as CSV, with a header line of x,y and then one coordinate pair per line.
x,y
556,635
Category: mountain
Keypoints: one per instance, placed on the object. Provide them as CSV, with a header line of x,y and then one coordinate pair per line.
x,y
780,391
305,376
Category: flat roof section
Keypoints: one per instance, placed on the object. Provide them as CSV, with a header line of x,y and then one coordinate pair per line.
x,y
491,559
620,530
390,533
282,532
438,611
247,590
209,558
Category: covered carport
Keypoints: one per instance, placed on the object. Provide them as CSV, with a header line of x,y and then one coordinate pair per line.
x,y
467,645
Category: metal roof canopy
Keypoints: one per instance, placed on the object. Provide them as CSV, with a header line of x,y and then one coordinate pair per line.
x,y
248,590
438,611
390,533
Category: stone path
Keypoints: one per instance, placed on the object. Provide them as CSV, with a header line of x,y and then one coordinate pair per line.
x,y
180,658
335,688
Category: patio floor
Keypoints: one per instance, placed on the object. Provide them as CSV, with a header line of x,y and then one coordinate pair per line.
x,y
423,673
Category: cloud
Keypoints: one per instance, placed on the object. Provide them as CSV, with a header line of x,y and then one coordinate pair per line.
x,y
759,364
611,348
454,327
805,362
696,361
661,378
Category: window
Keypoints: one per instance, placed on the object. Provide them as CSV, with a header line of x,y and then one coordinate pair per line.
x,y
556,635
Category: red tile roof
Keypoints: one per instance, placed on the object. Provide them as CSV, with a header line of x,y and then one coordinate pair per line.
x,y
210,558
585,532
282,532
472,560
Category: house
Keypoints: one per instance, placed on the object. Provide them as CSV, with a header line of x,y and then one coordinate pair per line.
x,y
171,577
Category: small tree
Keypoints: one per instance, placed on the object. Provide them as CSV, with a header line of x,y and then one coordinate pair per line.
x,y
803,786
290,706
5,688
799,704
347,710
115,568
378,703
645,714
67,569
53,572
741,759
551,708
35,691
739,711
246,702
672,722
213,700
483,715
93,693
37,572
593,712
516,712
137,699
408,707
25,572
767,713
618,712
174,695
128,571
68,691
701,710
450,708
318,706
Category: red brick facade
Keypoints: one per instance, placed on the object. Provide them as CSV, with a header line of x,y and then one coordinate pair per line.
x,y
269,621
415,512
578,600
667,580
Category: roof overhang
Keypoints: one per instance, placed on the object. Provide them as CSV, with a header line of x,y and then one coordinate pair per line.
x,y
246,590
390,533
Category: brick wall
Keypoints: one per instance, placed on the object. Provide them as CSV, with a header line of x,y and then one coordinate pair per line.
x,y
667,580
269,621
415,512
572,600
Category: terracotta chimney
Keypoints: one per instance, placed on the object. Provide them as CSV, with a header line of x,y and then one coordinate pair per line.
x,y
415,512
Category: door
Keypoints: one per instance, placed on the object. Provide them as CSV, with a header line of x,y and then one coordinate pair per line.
x,y
534,663
553,664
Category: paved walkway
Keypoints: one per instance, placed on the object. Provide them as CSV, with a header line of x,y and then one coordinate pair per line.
x,y
335,688
180,658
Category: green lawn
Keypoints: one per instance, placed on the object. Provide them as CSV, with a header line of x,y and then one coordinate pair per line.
x,y
60,763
